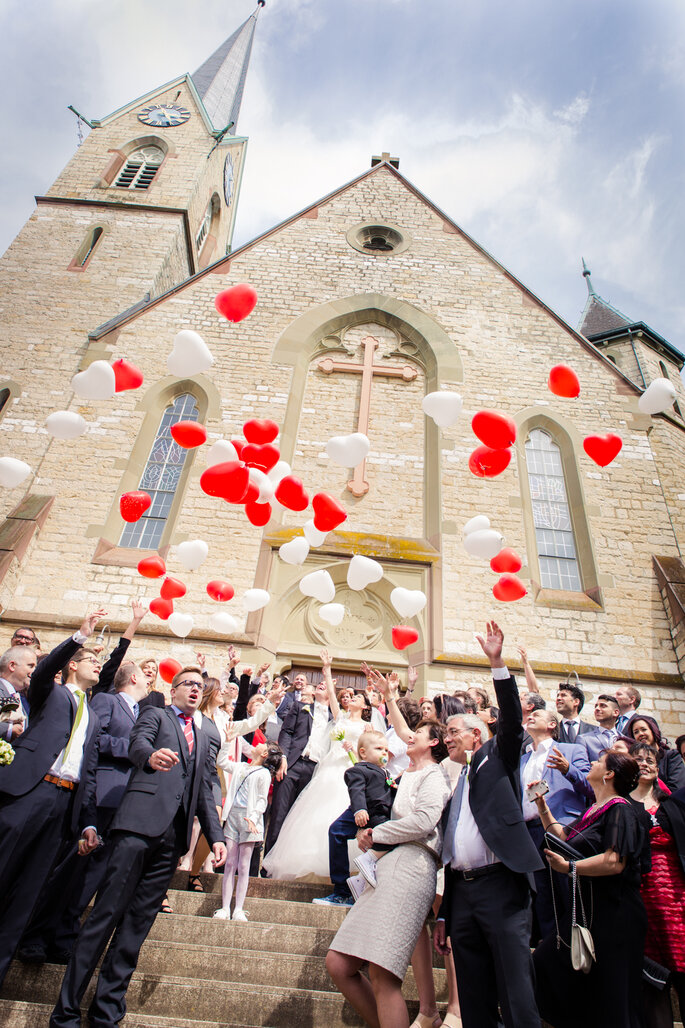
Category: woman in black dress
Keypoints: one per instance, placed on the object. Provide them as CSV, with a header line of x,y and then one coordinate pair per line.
x,y
610,837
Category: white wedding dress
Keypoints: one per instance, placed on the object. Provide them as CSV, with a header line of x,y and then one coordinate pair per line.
x,y
301,850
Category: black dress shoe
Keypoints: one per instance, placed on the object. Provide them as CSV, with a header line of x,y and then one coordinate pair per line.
x,y
32,955
58,956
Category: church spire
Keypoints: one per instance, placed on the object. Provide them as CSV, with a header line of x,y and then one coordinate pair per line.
x,y
598,316
221,79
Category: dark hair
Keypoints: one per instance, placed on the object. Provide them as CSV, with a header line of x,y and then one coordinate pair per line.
x,y
652,751
492,725
536,701
626,771
483,694
574,691
368,709
435,731
273,759
447,706
26,628
679,742
284,679
410,711
123,675
609,699
80,654
468,702
659,740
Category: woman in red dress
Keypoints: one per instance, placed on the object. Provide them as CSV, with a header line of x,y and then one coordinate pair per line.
x,y
663,888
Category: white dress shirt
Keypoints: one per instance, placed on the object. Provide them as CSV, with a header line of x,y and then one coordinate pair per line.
x,y
319,739
534,771
70,769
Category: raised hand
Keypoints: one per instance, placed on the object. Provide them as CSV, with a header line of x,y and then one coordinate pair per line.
x,y
201,660
233,657
412,678
492,644
325,659
139,610
91,620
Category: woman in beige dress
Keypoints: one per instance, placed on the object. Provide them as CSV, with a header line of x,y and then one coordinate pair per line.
x,y
385,923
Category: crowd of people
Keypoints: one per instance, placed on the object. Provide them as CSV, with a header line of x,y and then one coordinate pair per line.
x,y
547,851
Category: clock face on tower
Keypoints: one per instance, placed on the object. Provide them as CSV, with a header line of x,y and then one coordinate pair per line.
x,y
164,115
228,178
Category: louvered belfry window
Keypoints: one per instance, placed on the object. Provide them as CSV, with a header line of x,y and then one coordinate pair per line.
x,y
140,168
161,476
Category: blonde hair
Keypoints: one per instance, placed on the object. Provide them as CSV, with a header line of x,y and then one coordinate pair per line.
x,y
368,735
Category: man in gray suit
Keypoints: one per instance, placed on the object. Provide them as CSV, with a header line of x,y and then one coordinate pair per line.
x,y
16,667
606,715
570,700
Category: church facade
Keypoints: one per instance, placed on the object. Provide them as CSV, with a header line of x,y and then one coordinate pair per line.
x,y
130,246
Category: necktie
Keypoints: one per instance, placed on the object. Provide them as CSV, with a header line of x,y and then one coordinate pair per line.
x,y
455,808
136,711
621,723
571,731
81,698
188,730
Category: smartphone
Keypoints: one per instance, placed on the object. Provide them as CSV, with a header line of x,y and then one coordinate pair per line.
x,y
537,789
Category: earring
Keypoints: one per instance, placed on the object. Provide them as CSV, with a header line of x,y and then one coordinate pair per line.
x,y
604,780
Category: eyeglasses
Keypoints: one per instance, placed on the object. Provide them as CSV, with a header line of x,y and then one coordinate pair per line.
x,y
28,639
454,733
646,762
92,660
190,683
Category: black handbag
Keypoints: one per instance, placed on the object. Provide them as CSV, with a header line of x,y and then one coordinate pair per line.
x,y
561,847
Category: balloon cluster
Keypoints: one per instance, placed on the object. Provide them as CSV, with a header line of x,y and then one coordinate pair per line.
x,y
485,543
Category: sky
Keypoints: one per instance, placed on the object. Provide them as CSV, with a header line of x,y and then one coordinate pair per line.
x,y
549,131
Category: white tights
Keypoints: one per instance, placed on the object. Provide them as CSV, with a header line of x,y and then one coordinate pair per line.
x,y
237,859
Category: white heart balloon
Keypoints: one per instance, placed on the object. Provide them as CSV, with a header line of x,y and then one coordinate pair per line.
x,y
263,483
279,471
313,535
318,584
408,602
657,397
192,552
295,551
224,624
13,472
97,382
362,571
443,407
220,452
348,450
65,424
180,624
476,524
255,599
333,613
483,544
189,355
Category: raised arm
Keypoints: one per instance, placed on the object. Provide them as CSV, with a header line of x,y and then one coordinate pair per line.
x,y
509,736
105,682
531,680
43,678
326,664
388,688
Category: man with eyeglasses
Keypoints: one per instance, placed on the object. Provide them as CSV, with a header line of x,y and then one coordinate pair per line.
x,y
25,637
47,793
151,829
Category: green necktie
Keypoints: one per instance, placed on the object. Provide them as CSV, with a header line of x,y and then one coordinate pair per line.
x,y
81,696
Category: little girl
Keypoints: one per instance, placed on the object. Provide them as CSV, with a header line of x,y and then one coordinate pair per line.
x,y
243,819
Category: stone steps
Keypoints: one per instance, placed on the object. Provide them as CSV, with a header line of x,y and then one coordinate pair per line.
x,y
18,1014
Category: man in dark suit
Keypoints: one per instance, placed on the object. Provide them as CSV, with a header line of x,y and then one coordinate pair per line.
x,y
605,735
570,700
489,856
149,832
302,741
564,766
16,667
48,791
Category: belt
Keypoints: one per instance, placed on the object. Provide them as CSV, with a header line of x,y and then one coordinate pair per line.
x,y
63,783
472,873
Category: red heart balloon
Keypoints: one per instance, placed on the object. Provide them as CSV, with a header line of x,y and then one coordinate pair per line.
x,y
256,431
264,456
563,381
602,448
508,588
168,668
403,636
237,302
258,514
126,376
494,429
189,434
219,590
133,505
507,560
172,589
486,463
162,608
290,493
328,513
151,567
252,494
229,480
238,446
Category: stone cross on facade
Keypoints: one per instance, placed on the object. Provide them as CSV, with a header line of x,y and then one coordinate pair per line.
x,y
358,486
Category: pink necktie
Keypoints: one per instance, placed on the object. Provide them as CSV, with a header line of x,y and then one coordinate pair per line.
x,y
188,730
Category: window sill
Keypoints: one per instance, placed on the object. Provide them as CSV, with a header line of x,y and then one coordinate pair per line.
x,y
567,600
124,556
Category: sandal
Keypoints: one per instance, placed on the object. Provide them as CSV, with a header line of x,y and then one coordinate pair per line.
x,y
424,1021
166,906
452,1021
194,884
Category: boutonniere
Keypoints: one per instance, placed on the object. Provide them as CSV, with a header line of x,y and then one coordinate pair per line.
x,y
305,706
469,754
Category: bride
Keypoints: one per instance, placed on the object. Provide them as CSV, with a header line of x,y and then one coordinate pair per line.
x,y
301,850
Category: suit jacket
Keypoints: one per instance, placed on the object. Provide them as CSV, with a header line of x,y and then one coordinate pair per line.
x,y
583,728
52,711
369,790
594,743
153,798
296,729
671,770
114,768
567,795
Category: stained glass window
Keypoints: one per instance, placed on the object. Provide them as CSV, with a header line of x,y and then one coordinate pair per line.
x,y
559,568
161,476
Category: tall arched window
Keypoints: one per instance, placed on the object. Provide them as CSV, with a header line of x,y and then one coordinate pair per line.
x,y
161,476
554,536
140,168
